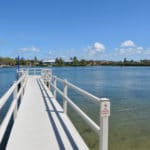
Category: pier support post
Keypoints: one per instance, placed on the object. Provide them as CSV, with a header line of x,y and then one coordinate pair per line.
x,y
104,116
14,97
65,94
55,83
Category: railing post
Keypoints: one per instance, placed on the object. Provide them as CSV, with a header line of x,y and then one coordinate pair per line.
x,y
65,94
50,80
14,97
49,84
24,84
104,116
55,83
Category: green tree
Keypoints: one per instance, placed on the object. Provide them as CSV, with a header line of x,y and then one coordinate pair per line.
x,y
83,62
59,62
75,61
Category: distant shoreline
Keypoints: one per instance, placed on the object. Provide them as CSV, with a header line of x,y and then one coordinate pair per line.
x,y
72,62
79,66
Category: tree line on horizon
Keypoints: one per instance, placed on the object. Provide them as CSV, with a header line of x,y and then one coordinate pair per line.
x,y
74,61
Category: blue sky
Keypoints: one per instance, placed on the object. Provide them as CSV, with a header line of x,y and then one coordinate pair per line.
x,y
90,29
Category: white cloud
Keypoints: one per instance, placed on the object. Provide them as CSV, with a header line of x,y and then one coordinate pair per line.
x,y
30,49
128,48
97,47
130,51
128,43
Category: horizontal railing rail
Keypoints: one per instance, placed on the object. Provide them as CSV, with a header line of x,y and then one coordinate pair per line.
x,y
36,71
17,90
84,116
81,91
5,97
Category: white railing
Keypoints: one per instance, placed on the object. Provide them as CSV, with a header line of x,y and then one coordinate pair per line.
x,y
17,90
35,71
104,104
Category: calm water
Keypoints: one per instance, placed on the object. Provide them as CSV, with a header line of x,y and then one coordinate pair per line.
x,y
7,76
128,88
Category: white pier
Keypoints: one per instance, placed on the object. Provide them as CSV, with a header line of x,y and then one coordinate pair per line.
x,y
40,123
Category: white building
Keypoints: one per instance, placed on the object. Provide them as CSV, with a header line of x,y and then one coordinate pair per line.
x,y
49,61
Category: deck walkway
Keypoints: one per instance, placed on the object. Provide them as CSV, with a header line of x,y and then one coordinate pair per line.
x,y
41,123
